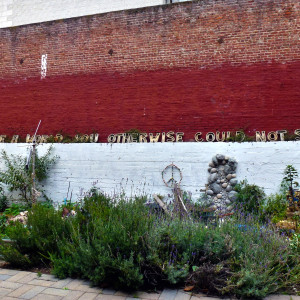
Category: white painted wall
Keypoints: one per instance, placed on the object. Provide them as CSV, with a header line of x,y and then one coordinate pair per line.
x,y
20,12
136,168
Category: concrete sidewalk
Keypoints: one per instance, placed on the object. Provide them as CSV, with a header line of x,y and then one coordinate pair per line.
x,y
16,284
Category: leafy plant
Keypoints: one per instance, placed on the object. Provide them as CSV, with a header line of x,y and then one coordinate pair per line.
x,y
14,209
3,200
290,174
11,211
250,198
134,133
275,208
68,204
107,245
33,242
295,242
240,136
296,219
3,223
18,178
200,209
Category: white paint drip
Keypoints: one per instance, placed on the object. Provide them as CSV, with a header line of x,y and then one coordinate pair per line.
x,y
43,66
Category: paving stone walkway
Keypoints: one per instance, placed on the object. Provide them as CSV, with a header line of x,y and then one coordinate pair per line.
x,y
16,284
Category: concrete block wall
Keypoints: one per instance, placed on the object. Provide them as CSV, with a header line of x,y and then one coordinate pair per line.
x,y
137,168
20,12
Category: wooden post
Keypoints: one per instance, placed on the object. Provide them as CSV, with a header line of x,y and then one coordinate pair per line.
x,y
162,205
178,201
33,190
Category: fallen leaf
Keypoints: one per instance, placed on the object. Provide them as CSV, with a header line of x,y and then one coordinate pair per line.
x,y
189,288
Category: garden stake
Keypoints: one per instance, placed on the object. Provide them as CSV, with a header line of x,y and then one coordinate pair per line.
x,y
34,192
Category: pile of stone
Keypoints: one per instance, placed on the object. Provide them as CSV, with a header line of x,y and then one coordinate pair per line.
x,y
21,217
221,182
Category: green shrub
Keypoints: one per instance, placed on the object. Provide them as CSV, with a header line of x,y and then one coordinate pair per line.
x,y
295,242
18,178
122,244
33,242
3,224
3,201
250,198
263,265
108,244
15,209
275,208
289,179
10,254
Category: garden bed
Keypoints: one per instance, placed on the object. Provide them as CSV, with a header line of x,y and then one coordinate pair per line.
x,y
125,245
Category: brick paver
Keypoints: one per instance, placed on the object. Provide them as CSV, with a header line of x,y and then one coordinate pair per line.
x,y
45,283
88,289
88,296
110,297
73,295
56,292
124,294
10,285
148,296
18,276
61,283
27,278
4,292
182,296
73,284
168,294
32,292
27,285
204,298
7,298
46,297
282,297
20,291
4,276
108,292
48,277
9,272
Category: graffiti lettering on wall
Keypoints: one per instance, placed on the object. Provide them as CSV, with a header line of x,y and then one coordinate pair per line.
x,y
162,137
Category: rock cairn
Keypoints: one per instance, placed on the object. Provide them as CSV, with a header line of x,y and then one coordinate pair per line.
x,y
221,181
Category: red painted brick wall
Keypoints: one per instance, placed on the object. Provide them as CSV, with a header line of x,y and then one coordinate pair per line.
x,y
199,66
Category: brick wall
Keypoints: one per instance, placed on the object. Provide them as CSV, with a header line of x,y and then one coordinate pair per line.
x,y
195,66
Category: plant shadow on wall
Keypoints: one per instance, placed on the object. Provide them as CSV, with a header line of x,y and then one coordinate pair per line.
x,y
18,179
